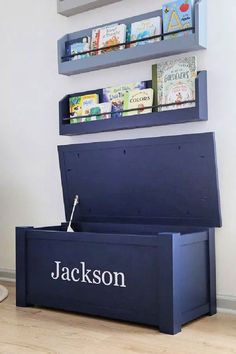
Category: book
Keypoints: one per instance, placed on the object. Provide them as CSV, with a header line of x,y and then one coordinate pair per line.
x,y
174,82
177,15
77,46
78,106
96,110
112,35
138,99
144,29
87,102
95,38
116,94
128,35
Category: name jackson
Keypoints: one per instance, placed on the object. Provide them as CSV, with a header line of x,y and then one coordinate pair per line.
x,y
85,275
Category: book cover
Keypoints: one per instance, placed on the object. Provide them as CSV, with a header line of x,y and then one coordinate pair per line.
x,y
139,99
78,106
77,46
98,111
144,29
177,15
87,102
96,36
116,94
75,108
109,36
174,82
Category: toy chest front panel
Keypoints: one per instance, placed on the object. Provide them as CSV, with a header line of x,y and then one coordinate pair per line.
x,y
104,275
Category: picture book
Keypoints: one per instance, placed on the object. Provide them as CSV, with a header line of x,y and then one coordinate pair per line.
x,y
177,15
139,100
116,94
174,82
75,108
77,46
144,29
87,102
77,105
96,112
95,37
109,36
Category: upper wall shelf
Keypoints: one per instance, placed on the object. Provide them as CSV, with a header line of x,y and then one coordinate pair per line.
x,y
73,7
194,41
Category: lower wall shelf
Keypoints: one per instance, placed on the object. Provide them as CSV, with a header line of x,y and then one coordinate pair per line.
x,y
194,114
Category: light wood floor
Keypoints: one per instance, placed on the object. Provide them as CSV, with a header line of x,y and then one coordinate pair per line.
x,y
33,330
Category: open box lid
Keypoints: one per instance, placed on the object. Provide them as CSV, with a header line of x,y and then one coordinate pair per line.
x,y
167,180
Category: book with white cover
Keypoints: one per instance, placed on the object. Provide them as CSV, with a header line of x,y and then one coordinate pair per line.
x,y
174,82
110,36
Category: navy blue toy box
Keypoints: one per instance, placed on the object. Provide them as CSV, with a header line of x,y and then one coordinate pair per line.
x,y
143,249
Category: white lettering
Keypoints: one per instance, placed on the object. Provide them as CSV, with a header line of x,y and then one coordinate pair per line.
x,y
104,278
84,275
122,276
55,277
85,278
66,274
75,270
97,274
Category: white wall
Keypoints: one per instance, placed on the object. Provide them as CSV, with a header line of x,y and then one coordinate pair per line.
x,y
30,189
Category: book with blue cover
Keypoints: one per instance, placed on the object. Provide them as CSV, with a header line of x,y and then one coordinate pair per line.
x,y
145,29
177,15
77,46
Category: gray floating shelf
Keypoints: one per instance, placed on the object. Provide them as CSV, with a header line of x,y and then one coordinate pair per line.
x,y
73,7
192,42
184,115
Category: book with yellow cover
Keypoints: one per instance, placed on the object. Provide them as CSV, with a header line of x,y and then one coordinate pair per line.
x,y
138,100
78,106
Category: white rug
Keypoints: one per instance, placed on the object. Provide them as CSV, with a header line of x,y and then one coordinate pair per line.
x,y
3,293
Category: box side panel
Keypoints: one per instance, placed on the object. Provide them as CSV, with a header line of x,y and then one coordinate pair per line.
x,y
195,276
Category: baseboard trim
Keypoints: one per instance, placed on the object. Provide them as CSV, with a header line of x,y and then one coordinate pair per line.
x,y
7,275
225,303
